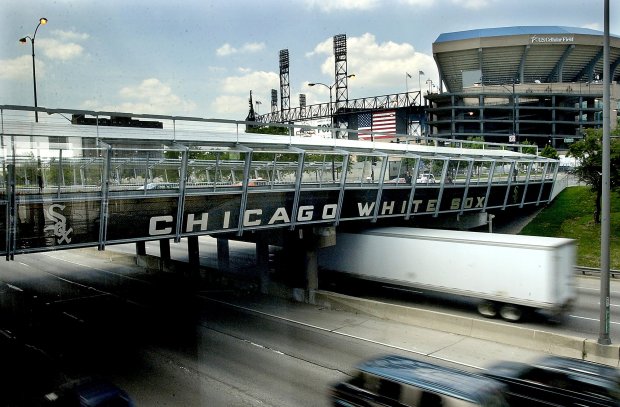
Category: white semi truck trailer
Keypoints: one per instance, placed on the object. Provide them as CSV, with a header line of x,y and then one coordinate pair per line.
x,y
508,274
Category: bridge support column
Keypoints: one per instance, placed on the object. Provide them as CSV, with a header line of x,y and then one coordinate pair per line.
x,y
320,237
164,249
141,248
193,252
262,265
223,255
311,266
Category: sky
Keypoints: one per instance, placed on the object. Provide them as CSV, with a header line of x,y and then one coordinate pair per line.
x,y
202,58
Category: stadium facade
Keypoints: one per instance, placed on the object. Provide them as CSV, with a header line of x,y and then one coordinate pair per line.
x,y
542,84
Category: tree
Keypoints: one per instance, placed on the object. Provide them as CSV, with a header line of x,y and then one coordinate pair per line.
x,y
589,152
528,150
550,152
283,131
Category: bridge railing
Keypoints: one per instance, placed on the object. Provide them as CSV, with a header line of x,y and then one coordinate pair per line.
x,y
218,161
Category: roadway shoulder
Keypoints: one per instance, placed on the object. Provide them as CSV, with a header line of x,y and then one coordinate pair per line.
x,y
514,335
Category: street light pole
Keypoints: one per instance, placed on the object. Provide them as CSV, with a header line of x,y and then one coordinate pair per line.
x,y
42,21
331,113
331,108
514,108
514,111
605,310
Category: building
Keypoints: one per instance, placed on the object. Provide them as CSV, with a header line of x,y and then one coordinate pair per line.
x,y
512,84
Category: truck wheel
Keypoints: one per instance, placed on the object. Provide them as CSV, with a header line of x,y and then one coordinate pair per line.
x,y
487,309
511,313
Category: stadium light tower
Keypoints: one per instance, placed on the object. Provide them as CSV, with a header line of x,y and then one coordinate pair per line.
x,y
42,21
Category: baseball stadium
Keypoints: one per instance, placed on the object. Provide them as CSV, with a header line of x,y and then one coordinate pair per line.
x,y
541,84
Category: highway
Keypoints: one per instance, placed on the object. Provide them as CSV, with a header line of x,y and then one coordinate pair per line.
x,y
87,313
582,321
83,313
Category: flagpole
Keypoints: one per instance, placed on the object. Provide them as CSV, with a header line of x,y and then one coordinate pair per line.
x,y
406,83
420,73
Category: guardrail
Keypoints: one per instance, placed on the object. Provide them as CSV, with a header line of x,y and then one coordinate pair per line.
x,y
591,270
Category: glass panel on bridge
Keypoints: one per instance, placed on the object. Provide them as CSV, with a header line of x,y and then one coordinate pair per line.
x,y
273,170
322,169
503,171
147,171
400,171
364,169
482,171
214,169
458,168
430,171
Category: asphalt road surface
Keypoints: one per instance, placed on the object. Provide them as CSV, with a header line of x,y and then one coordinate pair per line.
x,y
75,314
81,313
582,321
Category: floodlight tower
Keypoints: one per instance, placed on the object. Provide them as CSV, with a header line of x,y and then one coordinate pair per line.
x,y
340,60
274,100
285,96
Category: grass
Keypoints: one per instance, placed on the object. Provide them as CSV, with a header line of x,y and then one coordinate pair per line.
x,y
571,215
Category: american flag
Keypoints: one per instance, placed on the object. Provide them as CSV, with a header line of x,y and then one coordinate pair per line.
x,y
378,122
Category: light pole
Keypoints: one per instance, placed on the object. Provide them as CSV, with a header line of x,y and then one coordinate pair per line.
x,y
42,21
514,109
330,87
430,84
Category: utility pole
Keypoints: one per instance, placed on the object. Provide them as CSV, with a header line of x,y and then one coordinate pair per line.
x,y
604,316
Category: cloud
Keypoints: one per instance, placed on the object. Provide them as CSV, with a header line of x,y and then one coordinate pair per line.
x,y
19,68
150,96
379,68
235,106
225,50
234,93
62,45
70,35
419,3
55,49
328,6
472,4
258,81
248,47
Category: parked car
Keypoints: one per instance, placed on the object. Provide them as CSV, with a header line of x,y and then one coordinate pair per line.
x,y
399,381
558,381
397,180
426,179
253,182
159,185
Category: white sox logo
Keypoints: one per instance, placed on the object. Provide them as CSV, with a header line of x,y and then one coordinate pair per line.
x,y
60,227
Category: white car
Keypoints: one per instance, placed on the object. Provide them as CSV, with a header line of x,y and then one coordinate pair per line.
x,y
426,179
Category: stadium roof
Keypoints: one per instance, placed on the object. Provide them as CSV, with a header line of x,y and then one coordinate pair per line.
x,y
523,54
518,30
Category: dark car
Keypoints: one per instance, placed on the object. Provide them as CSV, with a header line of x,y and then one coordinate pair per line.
x,y
399,381
558,381
89,393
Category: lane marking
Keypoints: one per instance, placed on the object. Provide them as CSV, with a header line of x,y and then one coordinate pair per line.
x,y
592,319
334,331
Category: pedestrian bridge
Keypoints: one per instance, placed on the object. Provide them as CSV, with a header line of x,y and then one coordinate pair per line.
x,y
81,178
